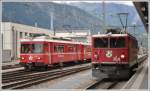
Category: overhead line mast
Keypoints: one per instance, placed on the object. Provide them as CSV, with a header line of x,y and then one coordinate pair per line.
x,y
104,26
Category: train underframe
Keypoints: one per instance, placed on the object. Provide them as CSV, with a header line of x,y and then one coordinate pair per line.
x,y
112,71
43,66
34,65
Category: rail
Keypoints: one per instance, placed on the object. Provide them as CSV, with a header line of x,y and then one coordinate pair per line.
x,y
35,78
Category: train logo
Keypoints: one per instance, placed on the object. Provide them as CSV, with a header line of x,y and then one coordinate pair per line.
x,y
30,58
108,53
117,59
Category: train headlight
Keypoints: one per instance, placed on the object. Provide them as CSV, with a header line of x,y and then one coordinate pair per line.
x,y
22,58
96,56
39,58
122,56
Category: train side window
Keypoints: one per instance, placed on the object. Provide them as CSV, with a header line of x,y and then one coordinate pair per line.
x,y
134,44
59,48
55,48
71,48
46,48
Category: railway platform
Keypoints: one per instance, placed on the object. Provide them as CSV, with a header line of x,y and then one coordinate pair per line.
x,y
14,62
140,79
11,66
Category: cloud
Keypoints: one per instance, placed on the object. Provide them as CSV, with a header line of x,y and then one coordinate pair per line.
x,y
129,3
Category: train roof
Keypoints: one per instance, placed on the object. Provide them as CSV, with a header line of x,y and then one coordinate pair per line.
x,y
113,35
50,40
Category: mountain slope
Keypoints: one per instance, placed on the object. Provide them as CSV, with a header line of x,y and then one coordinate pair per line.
x,y
64,15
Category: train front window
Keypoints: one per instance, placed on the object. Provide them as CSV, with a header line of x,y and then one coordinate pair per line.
x,y
117,42
101,42
31,48
113,42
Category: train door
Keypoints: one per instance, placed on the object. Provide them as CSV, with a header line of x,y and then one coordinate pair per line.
x,y
82,52
60,51
49,53
79,52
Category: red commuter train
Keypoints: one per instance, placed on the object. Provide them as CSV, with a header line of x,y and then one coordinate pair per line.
x,y
42,52
114,55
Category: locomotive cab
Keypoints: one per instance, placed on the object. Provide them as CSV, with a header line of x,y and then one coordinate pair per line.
x,y
111,56
33,54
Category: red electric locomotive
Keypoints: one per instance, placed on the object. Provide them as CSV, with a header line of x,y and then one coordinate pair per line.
x,y
41,52
114,55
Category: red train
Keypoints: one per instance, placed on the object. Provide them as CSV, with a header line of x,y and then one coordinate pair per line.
x,y
41,52
114,55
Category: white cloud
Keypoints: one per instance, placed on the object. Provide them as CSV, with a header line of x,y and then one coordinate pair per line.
x,y
117,2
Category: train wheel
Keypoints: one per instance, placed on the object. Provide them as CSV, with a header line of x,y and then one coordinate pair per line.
x,y
46,67
25,68
126,74
61,64
30,67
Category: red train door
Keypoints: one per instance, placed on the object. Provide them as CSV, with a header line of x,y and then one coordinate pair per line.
x,y
80,52
49,53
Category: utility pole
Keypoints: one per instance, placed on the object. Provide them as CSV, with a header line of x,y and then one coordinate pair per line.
x,y
134,29
104,26
51,21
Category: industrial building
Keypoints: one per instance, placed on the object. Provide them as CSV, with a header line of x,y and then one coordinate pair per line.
x,y
76,34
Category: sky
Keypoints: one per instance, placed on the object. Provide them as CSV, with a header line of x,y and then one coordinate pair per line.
x,y
117,2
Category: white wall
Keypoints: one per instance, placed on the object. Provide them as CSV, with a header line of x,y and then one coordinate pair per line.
x,y
11,35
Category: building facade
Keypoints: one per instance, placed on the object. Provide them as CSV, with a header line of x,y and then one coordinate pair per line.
x,y
77,34
11,35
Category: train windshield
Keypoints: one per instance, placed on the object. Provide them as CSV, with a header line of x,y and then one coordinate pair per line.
x,y
31,48
116,42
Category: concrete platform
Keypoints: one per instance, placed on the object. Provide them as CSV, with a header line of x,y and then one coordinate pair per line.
x,y
11,66
14,69
11,63
140,79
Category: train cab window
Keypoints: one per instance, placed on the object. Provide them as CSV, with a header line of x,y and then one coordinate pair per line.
x,y
109,42
31,48
71,48
134,44
101,42
59,48
117,42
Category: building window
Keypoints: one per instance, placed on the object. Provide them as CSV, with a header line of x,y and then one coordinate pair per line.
x,y
21,35
26,34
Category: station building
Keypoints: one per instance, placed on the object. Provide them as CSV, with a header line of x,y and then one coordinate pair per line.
x,y
11,35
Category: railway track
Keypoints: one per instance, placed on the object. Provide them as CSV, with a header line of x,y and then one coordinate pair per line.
x,y
10,66
15,73
23,72
23,81
102,84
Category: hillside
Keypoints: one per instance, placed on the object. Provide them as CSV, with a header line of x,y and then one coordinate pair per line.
x,y
64,15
